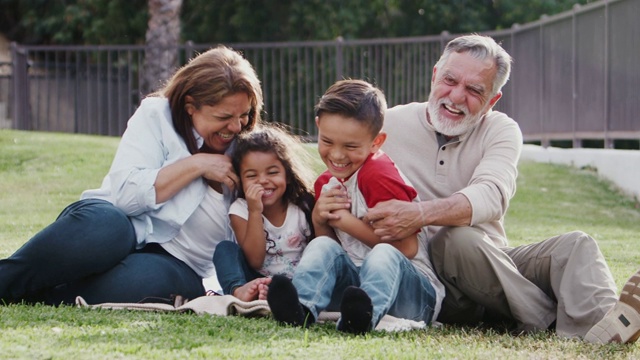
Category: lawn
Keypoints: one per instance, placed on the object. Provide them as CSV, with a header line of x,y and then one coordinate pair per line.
x,y
40,173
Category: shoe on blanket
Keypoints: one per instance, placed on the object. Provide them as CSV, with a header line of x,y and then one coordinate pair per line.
x,y
284,304
356,311
622,323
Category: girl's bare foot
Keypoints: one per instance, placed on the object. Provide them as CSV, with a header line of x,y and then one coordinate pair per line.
x,y
263,289
253,290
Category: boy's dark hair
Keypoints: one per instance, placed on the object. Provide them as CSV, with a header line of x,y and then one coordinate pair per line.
x,y
355,99
272,138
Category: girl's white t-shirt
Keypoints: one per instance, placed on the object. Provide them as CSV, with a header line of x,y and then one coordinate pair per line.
x,y
285,243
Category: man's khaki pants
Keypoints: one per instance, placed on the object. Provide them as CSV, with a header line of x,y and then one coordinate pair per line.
x,y
563,279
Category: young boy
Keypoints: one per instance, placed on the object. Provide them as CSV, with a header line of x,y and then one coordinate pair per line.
x,y
348,267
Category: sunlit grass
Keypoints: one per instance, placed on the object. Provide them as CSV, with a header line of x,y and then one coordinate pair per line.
x,y
41,173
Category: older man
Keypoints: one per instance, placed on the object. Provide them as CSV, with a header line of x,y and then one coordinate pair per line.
x,y
462,158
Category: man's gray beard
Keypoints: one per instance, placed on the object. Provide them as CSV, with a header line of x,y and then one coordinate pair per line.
x,y
451,128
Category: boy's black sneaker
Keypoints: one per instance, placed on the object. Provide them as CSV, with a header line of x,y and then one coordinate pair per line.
x,y
356,311
282,298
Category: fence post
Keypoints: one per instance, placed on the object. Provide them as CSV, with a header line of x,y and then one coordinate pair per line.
x,y
188,51
544,141
20,96
577,143
608,142
444,39
512,50
339,58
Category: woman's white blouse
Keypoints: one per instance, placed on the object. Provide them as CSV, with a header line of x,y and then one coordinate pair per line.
x,y
148,144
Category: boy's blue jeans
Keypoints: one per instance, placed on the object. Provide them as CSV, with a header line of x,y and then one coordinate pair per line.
x,y
90,251
394,285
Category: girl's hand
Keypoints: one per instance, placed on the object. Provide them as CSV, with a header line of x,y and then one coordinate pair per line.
x,y
253,195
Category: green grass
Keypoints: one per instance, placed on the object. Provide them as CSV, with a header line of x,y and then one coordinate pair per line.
x,y
40,173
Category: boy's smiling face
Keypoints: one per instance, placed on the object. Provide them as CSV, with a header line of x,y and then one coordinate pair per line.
x,y
344,143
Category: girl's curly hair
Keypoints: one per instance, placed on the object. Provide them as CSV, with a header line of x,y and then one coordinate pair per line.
x,y
274,138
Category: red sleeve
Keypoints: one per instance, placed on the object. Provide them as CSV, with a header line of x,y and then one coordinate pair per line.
x,y
320,181
379,180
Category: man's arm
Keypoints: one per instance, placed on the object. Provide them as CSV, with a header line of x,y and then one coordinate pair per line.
x,y
478,193
363,231
393,219
454,210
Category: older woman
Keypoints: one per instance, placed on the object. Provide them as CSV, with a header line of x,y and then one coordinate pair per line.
x,y
150,231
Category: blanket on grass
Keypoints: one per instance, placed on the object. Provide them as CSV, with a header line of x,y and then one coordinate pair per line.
x,y
225,305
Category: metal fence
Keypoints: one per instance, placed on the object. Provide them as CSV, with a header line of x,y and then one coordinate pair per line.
x,y
574,77
5,90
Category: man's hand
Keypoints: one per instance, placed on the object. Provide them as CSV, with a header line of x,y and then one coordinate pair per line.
x,y
394,219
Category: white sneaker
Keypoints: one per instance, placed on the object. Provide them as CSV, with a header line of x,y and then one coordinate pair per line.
x,y
622,323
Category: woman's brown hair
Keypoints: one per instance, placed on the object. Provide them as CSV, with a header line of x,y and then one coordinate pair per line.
x,y
207,79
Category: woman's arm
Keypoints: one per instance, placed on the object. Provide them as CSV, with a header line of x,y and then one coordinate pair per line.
x,y
173,178
152,164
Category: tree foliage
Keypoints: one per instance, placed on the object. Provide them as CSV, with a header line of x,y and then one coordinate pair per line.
x,y
96,22
211,21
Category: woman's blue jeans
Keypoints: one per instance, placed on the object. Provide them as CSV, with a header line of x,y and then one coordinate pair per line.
x,y
232,268
394,285
90,251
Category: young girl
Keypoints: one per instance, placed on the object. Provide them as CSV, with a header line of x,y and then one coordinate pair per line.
x,y
271,218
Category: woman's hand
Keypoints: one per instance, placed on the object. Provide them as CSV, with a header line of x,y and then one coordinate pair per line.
x,y
218,168
173,178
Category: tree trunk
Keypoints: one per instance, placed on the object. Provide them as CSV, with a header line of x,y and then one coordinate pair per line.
x,y
163,36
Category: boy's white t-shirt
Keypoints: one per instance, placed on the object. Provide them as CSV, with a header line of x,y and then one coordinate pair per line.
x,y
285,243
